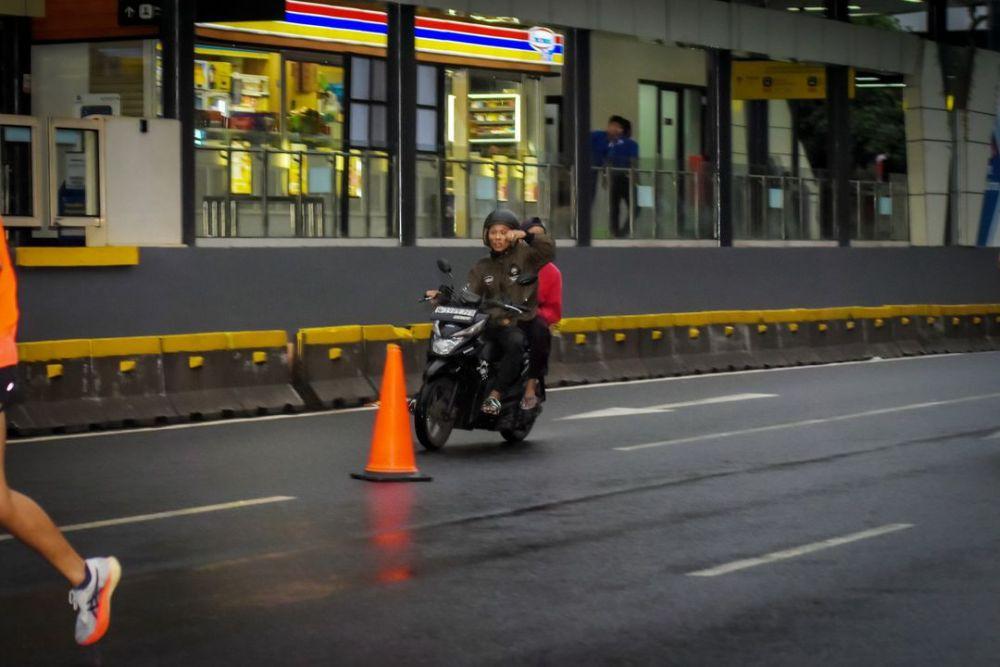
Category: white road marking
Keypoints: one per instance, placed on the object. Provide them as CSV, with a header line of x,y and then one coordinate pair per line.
x,y
805,422
786,369
800,551
189,511
666,407
328,413
179,427
995,436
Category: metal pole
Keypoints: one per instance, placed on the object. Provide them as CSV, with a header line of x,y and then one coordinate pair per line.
x,y
177,36
402,109
721,140
839,151
576,90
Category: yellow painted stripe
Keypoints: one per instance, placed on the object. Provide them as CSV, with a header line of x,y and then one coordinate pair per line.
x,y
579,324
285,29
343,335
57,257
242,340
207,342
421,331
489,52
385,332
125,347
53,349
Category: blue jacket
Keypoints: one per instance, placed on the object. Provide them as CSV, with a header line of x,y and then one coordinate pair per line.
x,y
605,154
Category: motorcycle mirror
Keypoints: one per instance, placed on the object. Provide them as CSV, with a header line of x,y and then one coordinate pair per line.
x,y
444,266
527,279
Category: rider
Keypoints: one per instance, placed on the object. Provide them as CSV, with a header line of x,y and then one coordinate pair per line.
x,y
537,330
513,253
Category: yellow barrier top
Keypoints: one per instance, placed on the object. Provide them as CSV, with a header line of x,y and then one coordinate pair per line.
x,y
421,331
344,335
62,257
869,313
52,350
621,322
244,340
385,332
579,325
125,347
205,342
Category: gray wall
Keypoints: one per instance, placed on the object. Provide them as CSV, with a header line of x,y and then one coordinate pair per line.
x,y
207,289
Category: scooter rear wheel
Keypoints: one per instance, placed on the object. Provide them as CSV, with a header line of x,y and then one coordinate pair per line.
x,y
432,420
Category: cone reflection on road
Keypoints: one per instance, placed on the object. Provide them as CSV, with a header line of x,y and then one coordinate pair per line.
x,y
389,507
391,458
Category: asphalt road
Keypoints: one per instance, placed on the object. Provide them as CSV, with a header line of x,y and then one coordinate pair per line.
x,y
839,515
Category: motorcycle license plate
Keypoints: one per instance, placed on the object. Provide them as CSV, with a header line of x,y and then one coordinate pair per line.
x,y
457,314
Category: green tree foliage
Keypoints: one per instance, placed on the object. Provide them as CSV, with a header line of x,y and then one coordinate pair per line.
x,y
876,121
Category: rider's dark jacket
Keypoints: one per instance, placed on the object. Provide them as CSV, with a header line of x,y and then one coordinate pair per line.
x,y
495,277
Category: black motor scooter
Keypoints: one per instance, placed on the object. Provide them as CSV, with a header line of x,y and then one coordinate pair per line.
x,y
461,372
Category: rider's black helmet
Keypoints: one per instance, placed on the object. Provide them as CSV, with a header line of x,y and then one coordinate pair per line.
x,y
500,216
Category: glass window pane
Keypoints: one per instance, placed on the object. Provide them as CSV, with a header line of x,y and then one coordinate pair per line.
x,y
426,130
359,124
427,85
16,172
378,80
378,125
360,78
77,173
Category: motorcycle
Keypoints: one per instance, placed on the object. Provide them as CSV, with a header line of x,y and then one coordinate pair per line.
x,y
461,371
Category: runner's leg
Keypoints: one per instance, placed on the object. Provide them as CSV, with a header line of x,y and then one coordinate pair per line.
x,y
25,520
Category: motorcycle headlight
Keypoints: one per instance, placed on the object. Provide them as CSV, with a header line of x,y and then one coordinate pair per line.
x,y
445,346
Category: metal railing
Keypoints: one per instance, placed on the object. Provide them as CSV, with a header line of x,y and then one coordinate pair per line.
x,y
454,195
652,204
264,193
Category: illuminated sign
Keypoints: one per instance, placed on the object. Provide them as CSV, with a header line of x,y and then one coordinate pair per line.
x,y
348,25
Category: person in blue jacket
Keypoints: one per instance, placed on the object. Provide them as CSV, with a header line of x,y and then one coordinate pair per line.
x,y
613,148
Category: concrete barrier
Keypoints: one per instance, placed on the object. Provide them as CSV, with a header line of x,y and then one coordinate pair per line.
x,y
576,356
54,389
331,367
197,372
260,372
621,346
692,344
729,334
656,346
130,382
376,338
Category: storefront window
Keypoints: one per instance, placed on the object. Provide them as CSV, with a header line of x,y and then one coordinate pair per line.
x,y
368,103
237,94
314,103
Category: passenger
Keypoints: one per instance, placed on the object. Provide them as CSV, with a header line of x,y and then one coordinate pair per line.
x,y
537,330
93,580
513,253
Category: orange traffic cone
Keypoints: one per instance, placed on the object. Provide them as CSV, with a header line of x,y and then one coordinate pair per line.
x,y
391,458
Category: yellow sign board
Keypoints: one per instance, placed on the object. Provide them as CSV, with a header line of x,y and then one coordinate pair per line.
x,y
768,80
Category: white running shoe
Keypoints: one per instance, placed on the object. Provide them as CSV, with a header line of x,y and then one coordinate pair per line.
x,y
93,603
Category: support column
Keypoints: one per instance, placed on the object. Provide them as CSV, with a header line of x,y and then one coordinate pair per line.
x,y
15,64
177,36
720,140
576,103
402,117
839,151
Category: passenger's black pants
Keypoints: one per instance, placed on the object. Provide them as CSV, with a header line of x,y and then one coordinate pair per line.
x,y
510,342
539,344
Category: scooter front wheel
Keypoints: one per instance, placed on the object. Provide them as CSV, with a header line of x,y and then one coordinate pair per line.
x,y
434,415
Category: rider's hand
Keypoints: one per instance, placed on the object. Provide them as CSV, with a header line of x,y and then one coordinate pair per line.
x,y
515,235
432,294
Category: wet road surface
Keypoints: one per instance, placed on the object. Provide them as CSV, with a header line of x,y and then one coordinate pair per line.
x,y
845,514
